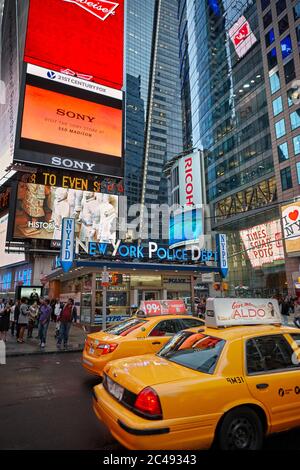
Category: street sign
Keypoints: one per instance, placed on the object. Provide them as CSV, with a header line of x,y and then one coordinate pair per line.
x,y
67,243
222,248
105,278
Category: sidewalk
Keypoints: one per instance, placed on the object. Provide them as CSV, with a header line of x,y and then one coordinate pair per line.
x,y
32,346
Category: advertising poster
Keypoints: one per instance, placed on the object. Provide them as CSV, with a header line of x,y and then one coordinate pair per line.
x,y
291,227
40,210
227,312
185,227
67,121
7,258
162,307
263,243
242,37
79,38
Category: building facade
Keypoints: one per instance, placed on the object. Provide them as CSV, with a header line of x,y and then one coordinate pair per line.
x,y
226,115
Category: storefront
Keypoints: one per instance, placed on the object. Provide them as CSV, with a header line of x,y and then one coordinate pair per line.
x,y
128,286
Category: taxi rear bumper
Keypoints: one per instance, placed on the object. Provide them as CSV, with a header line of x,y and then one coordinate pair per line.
x,y
136,433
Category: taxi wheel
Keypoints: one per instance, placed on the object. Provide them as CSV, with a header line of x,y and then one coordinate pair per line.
x,y
241,429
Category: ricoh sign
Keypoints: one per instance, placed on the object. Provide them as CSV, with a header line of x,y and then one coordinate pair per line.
x,y
190,186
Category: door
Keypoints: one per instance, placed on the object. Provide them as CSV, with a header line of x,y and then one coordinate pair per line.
x,y
273,378
161,334
151,295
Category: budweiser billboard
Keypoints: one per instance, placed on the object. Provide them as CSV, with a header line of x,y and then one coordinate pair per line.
x,y
80,38
263,243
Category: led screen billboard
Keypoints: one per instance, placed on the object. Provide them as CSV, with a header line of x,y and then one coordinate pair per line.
x,y
263,243
242,37
40,210
185,227
71,122
7,258
77,37
291,227
69,127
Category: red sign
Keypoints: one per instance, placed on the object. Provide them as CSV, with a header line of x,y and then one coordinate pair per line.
x,y
163,307
242,33
78,37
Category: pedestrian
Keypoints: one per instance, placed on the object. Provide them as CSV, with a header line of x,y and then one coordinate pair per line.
x,y
57,312
285,311
44,320
12,320
16,318
52,305
23,318
297,313
68,314
33,313
5,320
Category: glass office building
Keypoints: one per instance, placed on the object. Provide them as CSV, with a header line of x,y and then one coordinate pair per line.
x,y
153,108
226,116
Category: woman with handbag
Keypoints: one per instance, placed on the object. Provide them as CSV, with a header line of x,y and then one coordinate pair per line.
x,y
23,318
5,320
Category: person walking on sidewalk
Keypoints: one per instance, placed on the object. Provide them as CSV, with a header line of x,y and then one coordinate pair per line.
x,y
5,320
16,319
44,320
33,313
23,319
68,314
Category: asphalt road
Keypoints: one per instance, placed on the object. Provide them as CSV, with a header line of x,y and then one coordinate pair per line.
x,y
45,403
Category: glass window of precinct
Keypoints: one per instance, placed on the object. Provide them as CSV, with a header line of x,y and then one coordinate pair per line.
x,y
283,152
280,128
295,119
277,106
286,178
274,82
296,144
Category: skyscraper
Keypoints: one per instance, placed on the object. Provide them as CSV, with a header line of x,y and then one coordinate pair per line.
x,y
226,116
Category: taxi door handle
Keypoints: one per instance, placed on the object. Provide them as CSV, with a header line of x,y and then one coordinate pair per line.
x,y
262,386
156,342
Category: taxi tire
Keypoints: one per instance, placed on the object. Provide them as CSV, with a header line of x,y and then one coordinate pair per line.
x,y
235,426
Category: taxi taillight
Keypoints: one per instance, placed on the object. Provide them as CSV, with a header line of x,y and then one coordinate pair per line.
x,y
147,404
107,348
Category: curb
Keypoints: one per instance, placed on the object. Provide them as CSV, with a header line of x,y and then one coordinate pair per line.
x,y
78,348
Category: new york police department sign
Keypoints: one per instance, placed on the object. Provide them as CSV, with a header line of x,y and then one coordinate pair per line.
x,y
67,243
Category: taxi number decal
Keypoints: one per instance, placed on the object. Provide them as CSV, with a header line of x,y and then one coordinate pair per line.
x,y
235,380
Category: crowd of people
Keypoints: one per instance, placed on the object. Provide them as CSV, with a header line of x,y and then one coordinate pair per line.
x,y
29,313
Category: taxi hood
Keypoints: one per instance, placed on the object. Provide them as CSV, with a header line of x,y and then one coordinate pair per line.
x,y
136,373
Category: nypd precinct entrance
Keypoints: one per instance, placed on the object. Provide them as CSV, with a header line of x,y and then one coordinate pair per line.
x,y
135,272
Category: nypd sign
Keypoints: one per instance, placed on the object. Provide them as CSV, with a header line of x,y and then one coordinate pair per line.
x,y
222,249
67,243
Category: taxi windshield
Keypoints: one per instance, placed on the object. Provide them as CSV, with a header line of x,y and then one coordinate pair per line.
x,y
126,326
196,351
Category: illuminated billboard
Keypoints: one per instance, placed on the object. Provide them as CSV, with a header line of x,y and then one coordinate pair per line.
x,y
185,227
79,38
241,36
64,120
70,127
291,227
40,210
7,258
263,243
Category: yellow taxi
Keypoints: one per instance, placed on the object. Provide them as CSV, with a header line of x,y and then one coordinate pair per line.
x,y
155,323
230,383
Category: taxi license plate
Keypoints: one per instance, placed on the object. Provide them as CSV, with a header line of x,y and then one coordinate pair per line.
x,y
114,389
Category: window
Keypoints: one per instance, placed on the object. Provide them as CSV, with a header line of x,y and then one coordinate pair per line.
x,y
277,106
295,119
298,34
297,11
283,24
280,6
272,58
264,4
286,178
289,71
270,37
267,19
166,328
293,96
274,82
283,152
126,326
296,143
280,128
197,351
298,171
286,46
191,323
268,353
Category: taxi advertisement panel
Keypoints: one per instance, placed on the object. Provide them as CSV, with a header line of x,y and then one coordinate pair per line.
x,y
230,312
163,307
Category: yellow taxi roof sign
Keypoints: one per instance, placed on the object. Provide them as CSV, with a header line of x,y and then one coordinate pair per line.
x,y
222,312
151,308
